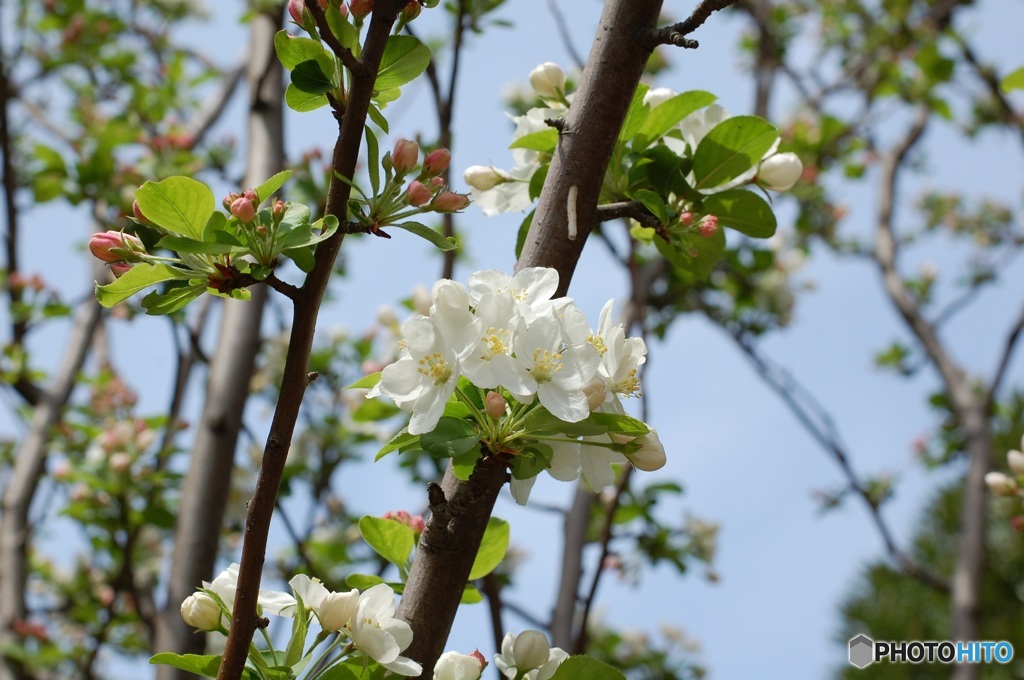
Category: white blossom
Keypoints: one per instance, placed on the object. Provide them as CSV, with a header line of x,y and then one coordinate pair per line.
x,y
780,171
381,636
455,666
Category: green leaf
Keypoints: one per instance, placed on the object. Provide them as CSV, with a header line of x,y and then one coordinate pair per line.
x,y
669,113
342,29
293,50
309,77
541,422
524,230
300,624
160,304
1014,81
181,244
744,211
654,203
404,59
180,205
363,581
364,383
372,160
576,667
532,460
135,279
265,190
470,595
544,141
693,255
310,234
464,463
389,538
401,441
378,118
205,665
492,548
302,257
300,101
537,179
620,424
636,115
731,148
450,438
429,234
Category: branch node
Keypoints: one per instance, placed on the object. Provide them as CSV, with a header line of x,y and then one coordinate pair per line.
x,y
311,377
557,123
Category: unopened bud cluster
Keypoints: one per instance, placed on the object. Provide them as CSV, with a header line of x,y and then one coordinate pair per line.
x,y
1002,484
118,249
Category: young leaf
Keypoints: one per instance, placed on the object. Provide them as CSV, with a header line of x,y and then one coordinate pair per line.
x,y
524,229
180,244
205,665
450,438
464,463
302,257
342,29
160,304
621,424
470,595
401,441
372,160
667,115
585,667
293,50
429,234
492,548
309,76
544,141
300,101
390,539
744,211
135,279
265,190
404,59
378,118
180,205
1014,81
364,383
654,203
636,115
731,148
363,581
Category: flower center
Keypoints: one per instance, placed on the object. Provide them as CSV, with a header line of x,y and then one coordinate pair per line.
x,y
436,368
518,294
495,343
628,386
598,342
545,365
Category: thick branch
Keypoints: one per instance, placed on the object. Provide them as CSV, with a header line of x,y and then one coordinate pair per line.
x,y
449,545
294,380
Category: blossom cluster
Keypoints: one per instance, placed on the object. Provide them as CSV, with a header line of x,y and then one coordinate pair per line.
x,y
1002,484
522,350
365,622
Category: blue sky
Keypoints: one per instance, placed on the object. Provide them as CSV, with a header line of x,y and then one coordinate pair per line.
x,y
742,459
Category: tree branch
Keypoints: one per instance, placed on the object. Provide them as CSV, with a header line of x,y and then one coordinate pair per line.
x,y
351,62
294,380
676,33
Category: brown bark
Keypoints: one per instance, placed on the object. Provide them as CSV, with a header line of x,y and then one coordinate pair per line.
x,y
448,547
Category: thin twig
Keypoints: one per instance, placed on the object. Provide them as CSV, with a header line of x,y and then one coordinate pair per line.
x,y
283,287
351,62
563,31
676,33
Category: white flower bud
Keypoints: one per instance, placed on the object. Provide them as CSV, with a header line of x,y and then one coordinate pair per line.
x,y
483,177
780,172
548,80
596,391
455,666
658,95
337,609
201,611
1000,484
651,454
531,650
1015,459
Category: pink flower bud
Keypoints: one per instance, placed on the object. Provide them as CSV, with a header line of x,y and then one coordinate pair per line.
x,y
229,199
360,8
405,155
417,524
296,8
708,226
410,11
115,246
137,212
686,218
436,162
120,462
449,201
278,211
119,269
252,196
435,184
494,405
479,657
417,194
243,209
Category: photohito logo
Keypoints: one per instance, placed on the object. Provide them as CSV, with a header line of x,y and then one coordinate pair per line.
x,y
865,651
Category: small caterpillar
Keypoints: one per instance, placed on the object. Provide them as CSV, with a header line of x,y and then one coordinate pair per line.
x,y
570,209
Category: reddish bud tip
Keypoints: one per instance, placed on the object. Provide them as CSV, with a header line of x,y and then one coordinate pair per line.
x,y
686,218
448,201
418,194
405,156
119,269
115,246
243,209
278,210
708,226
360,8
436,162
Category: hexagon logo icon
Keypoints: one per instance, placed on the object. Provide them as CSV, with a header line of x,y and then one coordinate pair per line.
x,y
862,651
